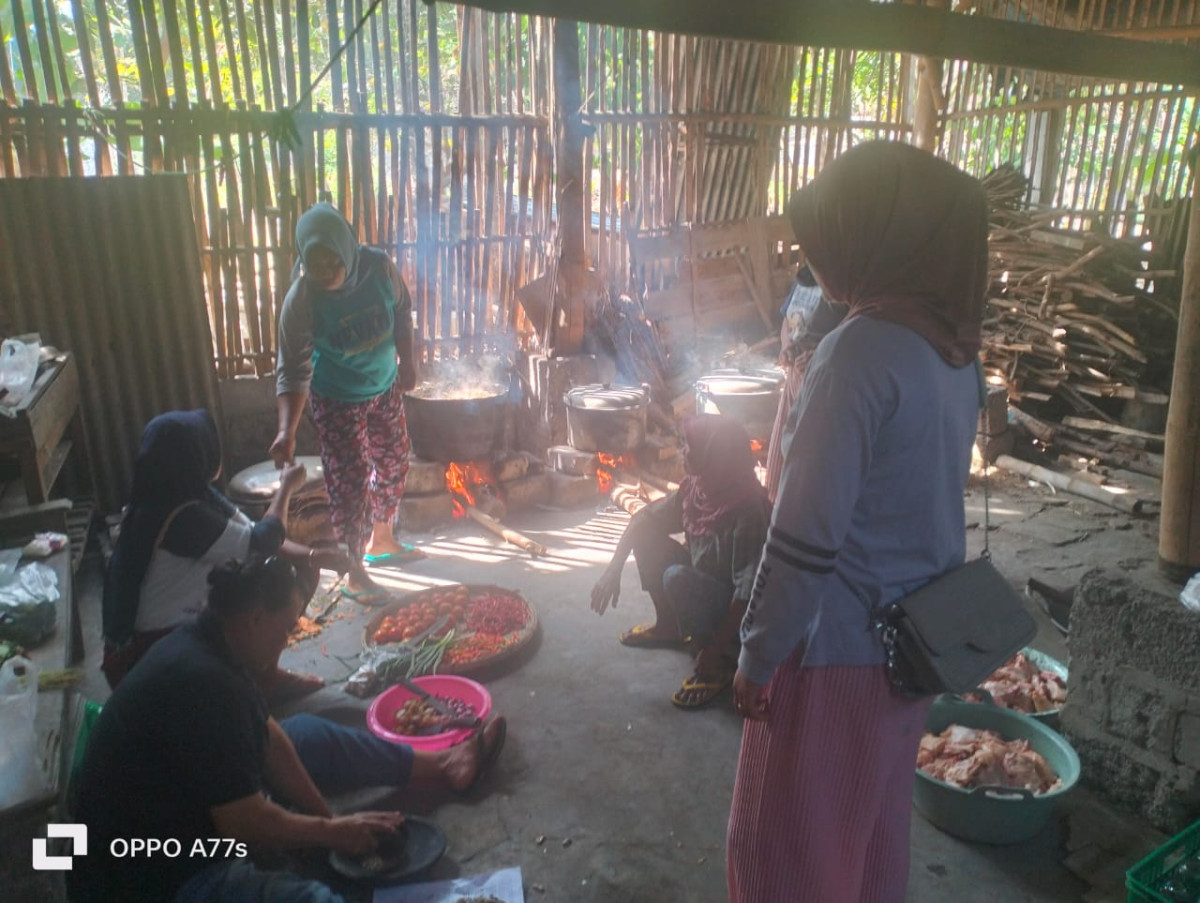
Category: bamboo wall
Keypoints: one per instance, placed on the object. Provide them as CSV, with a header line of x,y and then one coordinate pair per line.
x,y
1110,155
433,133
694,130
438,150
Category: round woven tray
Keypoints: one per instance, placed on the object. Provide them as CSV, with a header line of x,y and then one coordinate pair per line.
x,y
519,638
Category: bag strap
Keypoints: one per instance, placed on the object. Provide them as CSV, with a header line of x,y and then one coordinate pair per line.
x,y
987,483
170,519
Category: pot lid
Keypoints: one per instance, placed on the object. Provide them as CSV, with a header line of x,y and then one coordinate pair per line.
x,y
774,374
261,481
736,383
608,398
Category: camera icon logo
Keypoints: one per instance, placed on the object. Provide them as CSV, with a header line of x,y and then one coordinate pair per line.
x,y
44,862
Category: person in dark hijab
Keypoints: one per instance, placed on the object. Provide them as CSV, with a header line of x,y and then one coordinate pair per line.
x,y
177,528
869,509
345,342
699,588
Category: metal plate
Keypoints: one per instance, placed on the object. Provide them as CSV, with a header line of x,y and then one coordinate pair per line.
x,y
260,482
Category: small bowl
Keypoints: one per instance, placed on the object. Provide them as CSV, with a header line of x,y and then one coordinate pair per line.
x,y
382,712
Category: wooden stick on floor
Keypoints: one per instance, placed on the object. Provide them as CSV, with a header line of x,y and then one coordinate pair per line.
x,y
536,549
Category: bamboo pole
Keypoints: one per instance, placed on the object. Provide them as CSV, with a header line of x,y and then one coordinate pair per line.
x,y
1130,504
520,540
1179,533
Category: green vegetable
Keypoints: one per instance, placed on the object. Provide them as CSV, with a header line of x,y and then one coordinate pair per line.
x,y
27,623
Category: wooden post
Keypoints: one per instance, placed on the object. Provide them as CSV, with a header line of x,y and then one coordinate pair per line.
x,y
929,103
568,322
1179,533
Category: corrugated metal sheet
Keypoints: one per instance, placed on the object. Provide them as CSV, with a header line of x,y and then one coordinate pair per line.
x,y
108,269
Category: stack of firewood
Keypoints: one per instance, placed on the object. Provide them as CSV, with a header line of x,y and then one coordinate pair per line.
x,y
1070,328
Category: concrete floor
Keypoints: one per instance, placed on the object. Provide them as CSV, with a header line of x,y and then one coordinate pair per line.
x,y
632,794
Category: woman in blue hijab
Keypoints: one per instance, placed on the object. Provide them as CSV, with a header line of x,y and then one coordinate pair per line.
x,y
345,341
176,529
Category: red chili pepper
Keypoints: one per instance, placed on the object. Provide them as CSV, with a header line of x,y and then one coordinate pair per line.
x,y
497,615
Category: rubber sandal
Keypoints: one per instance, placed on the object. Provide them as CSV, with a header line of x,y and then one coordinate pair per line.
x,y
407,552
686,696
488,757
640,637
369,598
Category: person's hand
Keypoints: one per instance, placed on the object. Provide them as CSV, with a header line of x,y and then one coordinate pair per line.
x,y
331,558
293,477
407,375
606,591
283,449
356,834
749,698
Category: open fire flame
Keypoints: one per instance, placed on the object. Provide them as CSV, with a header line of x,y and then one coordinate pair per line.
x,y
756,446
609,464
462,479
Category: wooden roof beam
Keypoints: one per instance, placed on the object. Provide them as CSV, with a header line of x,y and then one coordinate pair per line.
x,y
887,27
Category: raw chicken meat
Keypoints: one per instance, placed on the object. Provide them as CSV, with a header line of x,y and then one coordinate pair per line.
x,y
966,757
1020,686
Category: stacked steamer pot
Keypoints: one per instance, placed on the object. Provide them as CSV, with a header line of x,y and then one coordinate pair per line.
x,y
749,396
604,418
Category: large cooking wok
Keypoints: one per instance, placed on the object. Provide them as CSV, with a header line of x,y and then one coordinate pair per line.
x,y
443,427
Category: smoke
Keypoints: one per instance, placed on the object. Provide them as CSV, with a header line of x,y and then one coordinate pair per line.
x,y
477,376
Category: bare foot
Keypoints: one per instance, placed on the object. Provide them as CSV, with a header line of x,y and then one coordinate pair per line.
x,y
358,581
464,765
382,541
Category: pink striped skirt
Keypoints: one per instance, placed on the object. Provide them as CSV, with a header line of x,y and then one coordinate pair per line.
x,y
822,802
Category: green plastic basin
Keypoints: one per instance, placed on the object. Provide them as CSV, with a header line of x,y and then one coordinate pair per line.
x,y
991,815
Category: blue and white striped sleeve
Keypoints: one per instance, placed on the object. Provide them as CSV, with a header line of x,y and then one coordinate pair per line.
x,y
840,412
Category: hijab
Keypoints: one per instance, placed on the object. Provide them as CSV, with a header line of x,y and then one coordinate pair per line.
x,y
720,476
178,458
901,236
323,224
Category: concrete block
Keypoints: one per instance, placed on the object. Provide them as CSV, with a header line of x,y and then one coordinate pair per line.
x,y
423,512
1187,740
569,461
527,491
992,447
993,419
1115,621
425,477
573,492
1144,711
510,466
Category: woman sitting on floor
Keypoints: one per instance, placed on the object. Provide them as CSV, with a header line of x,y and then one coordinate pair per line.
x,y
700,589
185,749
177,528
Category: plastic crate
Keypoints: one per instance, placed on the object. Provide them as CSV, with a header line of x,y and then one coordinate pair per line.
x,y
1141,879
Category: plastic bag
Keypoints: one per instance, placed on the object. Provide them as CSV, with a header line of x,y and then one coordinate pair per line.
x,y
28,605
18,371
1190,595
20,776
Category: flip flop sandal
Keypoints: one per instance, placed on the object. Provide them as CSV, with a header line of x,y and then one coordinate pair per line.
x,y
640,637
408,552
488,757
696,693
369,598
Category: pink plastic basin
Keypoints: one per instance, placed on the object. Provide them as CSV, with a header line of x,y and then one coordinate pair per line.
x,y
382,713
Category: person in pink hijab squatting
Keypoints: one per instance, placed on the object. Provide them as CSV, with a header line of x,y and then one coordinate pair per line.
x,y
699,588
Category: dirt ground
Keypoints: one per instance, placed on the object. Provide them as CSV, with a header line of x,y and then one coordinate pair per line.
x,y
607,792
